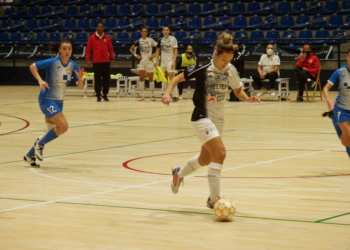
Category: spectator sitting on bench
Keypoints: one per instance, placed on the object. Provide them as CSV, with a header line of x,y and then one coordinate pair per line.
x,y
268,68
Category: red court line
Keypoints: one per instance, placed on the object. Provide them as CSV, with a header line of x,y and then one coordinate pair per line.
x,y
125,165
27,124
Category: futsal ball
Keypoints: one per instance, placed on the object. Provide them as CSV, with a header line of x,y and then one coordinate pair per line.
x,y
224,209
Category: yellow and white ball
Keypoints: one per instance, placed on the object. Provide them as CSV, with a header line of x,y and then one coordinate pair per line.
x,y
224,209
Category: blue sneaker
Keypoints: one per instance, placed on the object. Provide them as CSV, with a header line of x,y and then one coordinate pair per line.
x,y
210,203
175,184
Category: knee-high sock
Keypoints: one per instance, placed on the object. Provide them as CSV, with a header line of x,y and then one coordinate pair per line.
x,y
214,173
49,126
191,166
339,132
50,136
142,88
151,86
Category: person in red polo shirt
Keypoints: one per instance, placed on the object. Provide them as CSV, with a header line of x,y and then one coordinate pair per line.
x,y
306,70
100,48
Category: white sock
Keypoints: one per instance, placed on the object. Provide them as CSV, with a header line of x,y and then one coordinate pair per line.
x,y
142,88
191,166
151,86
214,172
49,126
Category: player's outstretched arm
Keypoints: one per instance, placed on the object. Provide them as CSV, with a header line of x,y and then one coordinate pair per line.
x,y
243,96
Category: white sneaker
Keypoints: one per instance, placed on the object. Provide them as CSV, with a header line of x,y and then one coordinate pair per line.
x,y
175,184
31,161
262,91
38,151
141,98
273,92
180,97
153,99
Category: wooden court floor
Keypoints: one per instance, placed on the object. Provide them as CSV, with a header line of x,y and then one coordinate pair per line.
x,y
105,184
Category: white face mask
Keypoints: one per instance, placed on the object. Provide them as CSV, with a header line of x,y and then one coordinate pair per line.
x,y
270,52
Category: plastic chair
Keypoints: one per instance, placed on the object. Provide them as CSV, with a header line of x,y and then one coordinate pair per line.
x,y
288,36
94,23
180,23
123,24
4,38
34,12
268,8
70,24
122,38
315,87
151,10
72,11
152,23
194,9
223,9
31,25
240,22
209,23
331,7
271,22
180,35
318,22
16,36
57,24
85,11
321,34
208,9
346,25
255,22
194,36
68,35
165,10
6,24
315,7
299,7
256,34
339,34
345,7
135,36
54,36
81,38
302,22
335,21
137,23
10,12
137,10
83,24
124,11
304,34
194,23
111,11
153,35
252,8
59,12
237,9
110,24
41,38
286,22
44,24
46,11
165,21
179,10
283,8
211,35
240,36
273,34
21,12
224,23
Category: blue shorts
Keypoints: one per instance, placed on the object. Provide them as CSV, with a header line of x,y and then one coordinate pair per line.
x,y
341,115
50,108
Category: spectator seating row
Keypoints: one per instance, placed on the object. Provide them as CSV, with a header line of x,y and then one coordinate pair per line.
x,y
209,37
192,23
181,9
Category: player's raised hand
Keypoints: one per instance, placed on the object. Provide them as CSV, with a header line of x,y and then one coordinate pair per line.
x,y
81,73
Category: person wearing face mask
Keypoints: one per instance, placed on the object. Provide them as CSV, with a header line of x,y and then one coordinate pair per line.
x,y
268,68
306,70
184,61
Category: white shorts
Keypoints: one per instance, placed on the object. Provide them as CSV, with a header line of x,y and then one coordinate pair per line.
x,y
146,65
206,130
167,67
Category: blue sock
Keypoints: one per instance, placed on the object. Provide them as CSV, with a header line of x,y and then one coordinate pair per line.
x,y
348,151
31,152
50,136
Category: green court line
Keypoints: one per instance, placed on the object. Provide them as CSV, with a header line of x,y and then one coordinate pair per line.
x,y
340,215
187,212
2,198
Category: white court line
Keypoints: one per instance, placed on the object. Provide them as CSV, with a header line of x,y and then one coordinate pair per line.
x,y
146,184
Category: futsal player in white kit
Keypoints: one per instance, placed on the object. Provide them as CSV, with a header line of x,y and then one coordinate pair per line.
x,y
212,82
341,106
167,52
59,72
144,52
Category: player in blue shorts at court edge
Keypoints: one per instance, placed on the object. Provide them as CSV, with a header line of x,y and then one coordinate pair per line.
x,y
341,106
59,72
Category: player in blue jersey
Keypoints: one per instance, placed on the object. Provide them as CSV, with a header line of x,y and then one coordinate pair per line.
x,y
59,72
341,106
